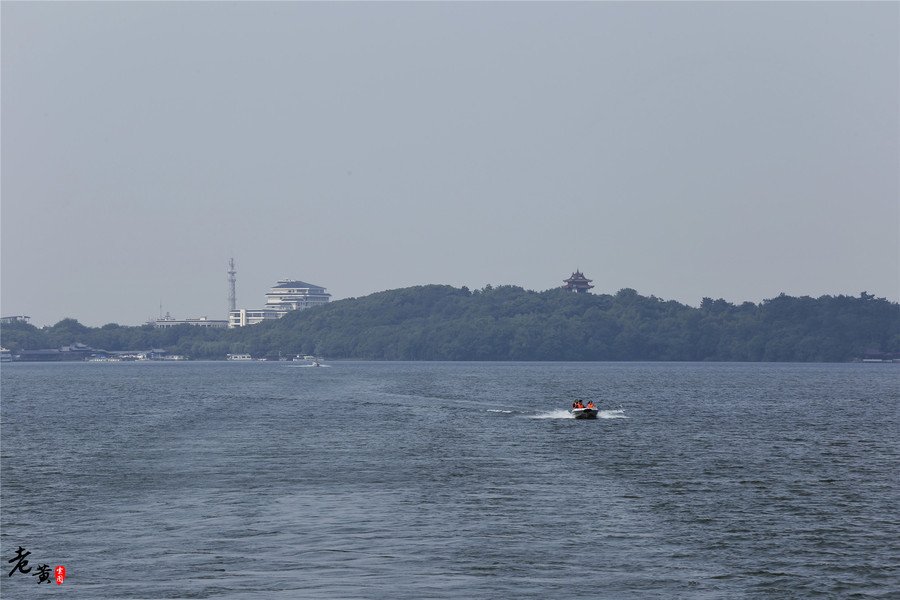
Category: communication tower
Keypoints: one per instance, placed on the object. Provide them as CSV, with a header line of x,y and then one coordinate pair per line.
x,y
232,297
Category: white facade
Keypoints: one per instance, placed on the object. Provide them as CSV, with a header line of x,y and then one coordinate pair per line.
x,y
243,316
286,296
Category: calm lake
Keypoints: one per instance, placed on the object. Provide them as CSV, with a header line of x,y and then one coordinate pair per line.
x,y
451,480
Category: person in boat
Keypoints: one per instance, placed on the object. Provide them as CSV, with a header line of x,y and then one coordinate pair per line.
x,y
590,404
578,404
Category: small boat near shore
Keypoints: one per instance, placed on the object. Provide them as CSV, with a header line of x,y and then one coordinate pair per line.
x,y
314,360
584,413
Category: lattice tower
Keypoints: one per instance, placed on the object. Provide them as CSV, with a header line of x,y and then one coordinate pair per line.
x,y
232,296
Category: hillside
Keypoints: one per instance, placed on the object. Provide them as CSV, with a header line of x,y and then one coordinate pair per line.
x,y
439,322
509,323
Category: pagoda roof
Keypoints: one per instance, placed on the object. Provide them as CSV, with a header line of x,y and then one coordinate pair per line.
x,y
577,276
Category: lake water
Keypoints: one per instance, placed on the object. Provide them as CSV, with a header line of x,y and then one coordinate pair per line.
x,y
451,480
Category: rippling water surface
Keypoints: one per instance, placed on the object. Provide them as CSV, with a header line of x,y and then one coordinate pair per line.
x,y
452,480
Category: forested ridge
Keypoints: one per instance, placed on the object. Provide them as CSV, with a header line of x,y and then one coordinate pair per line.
x,y
440,322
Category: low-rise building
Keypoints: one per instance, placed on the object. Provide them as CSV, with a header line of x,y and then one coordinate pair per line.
x,y
169,321
15,319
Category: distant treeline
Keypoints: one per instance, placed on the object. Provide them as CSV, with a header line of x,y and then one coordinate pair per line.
x,y
439,322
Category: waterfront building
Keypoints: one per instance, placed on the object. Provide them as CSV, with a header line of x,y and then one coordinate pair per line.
x,y
65,353
578,283
169,321
285,296
81,352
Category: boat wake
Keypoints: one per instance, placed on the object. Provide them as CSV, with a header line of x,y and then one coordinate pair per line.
x,y
618,413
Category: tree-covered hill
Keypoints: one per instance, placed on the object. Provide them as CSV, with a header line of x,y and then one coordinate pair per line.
x,y
439,322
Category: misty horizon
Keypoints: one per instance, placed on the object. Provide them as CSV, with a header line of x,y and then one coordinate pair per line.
x,y
683,150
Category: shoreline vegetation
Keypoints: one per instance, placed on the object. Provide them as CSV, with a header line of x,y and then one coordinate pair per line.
x,y
509,323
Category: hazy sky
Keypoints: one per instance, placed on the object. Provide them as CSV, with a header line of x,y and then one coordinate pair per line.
x,y
735,150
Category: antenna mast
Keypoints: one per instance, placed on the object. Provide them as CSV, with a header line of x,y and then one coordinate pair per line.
x,y
232,298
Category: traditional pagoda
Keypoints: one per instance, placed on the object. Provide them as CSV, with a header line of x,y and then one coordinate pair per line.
x,y
578,283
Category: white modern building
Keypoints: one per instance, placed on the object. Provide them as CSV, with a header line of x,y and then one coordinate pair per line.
x,y
286,296
244,316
